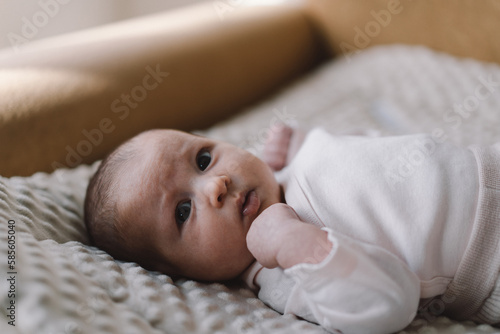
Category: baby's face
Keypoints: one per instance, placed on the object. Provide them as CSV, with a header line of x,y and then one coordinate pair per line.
x,y
193,200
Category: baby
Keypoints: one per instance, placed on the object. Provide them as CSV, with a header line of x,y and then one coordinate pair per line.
x,y
380,227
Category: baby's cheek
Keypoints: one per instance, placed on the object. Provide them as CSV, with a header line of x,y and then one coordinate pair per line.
x,y
233,166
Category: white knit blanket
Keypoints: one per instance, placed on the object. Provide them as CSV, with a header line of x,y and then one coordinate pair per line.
x,y
59,284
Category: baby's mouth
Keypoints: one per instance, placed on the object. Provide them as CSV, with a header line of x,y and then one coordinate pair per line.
x,y
251,204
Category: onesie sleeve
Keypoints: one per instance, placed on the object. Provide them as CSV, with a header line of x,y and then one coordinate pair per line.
x,y
357,288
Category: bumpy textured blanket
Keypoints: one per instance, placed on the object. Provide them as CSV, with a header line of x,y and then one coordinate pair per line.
x,y
56,283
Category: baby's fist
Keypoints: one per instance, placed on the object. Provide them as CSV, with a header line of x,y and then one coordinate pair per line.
x,y
270,231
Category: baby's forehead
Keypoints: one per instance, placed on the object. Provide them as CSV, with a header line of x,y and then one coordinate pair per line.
x,y
153,169
162,134
165,139
160,149
148,145
139,179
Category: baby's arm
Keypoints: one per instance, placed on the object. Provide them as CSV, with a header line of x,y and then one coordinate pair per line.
x,y
340,283
281,146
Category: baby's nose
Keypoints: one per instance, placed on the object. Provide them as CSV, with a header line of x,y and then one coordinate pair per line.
x,y
216,190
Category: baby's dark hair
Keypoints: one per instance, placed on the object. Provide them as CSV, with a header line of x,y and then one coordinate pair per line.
x,y
102,218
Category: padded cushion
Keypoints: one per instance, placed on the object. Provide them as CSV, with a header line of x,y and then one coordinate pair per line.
x,y
463,28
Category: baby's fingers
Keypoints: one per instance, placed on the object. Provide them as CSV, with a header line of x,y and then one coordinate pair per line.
x,y
260,247
276,148
280,134
275,156
269,231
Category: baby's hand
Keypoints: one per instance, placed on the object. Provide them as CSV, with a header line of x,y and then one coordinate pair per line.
x,y
276,148
269,231
277,237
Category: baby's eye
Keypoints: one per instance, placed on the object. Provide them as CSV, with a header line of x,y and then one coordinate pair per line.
x,y
182,212
203,159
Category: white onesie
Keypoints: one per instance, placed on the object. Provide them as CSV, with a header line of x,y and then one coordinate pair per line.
x,y
399,212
